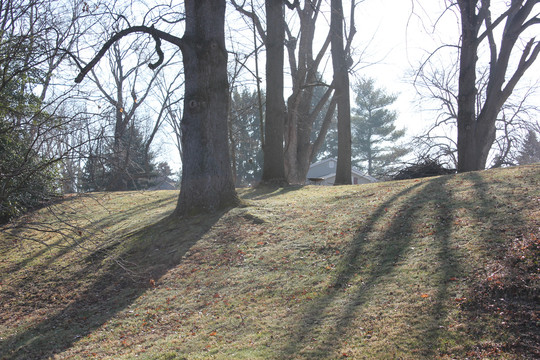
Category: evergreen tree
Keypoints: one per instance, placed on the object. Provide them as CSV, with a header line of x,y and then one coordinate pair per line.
x,y
99,169
27,177
375,148
27,180
530,150
246,151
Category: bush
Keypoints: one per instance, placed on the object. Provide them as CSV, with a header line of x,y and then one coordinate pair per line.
x,y
27,181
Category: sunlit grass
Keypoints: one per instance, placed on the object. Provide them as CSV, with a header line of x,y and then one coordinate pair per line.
x,y
411,269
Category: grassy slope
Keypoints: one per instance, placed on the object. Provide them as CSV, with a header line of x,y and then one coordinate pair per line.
x,y
444,267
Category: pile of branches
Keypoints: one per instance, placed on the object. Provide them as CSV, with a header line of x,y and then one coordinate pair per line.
x,y
425,167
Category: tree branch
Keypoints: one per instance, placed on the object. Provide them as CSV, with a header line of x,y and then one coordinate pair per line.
x,y
324,128
157,34
526,60
292,5
253,17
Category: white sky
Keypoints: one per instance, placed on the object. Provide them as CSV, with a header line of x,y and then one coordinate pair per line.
x,y
399,36
402,33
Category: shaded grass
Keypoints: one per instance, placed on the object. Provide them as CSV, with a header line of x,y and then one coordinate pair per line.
x,y
412,269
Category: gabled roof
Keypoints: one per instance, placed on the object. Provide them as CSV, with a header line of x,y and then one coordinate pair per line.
x,y
354,170
322,162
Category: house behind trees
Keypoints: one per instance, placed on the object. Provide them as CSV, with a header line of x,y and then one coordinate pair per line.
x,y
324,173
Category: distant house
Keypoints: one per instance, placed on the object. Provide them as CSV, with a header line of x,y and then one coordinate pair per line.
x,y
324,173
163,183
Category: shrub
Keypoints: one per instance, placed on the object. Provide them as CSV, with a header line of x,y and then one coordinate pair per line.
x,y
27,180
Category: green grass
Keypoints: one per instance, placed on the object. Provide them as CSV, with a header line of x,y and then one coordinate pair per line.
x,y
438,268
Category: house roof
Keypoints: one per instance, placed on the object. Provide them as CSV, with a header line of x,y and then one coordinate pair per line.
x,y
322,162
354,170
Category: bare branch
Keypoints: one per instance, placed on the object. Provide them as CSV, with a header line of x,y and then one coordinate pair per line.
x,y
157,34
292,5
253,17
524,63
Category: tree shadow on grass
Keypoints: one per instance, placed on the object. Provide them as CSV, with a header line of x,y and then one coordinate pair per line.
x,y
376,256
392,246
125,272
267,191
70,235
506,290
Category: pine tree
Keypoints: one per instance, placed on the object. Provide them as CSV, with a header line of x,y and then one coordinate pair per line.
x,y
246,150
530,150
375,136
140,168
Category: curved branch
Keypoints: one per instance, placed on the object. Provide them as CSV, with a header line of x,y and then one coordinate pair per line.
x,y
252,16
161,56
425,62
292,5
157,34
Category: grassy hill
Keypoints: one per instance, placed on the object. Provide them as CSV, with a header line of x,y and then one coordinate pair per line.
x,y
436,268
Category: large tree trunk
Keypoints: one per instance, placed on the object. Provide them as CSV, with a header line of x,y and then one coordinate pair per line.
x,y
273,168
341,83
207,181
466,142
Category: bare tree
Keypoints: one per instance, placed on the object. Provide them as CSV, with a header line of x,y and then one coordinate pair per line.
x,y
273,168
476,129
305,65
476,95
125,94
170,95
207,182
303,106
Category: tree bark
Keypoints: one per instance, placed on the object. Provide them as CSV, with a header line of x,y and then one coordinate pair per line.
x,y
301,114
273,168
341,83
207,181
466,143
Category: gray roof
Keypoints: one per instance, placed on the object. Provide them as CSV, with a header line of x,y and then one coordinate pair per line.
x,y
327,168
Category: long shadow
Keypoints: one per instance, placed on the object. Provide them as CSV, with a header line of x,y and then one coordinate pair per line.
x,y
266,191
394,243
68,239
513,295
151,253
349,268
450,267
435,196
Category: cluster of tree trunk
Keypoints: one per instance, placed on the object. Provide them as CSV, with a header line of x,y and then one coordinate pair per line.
x,y
207,179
